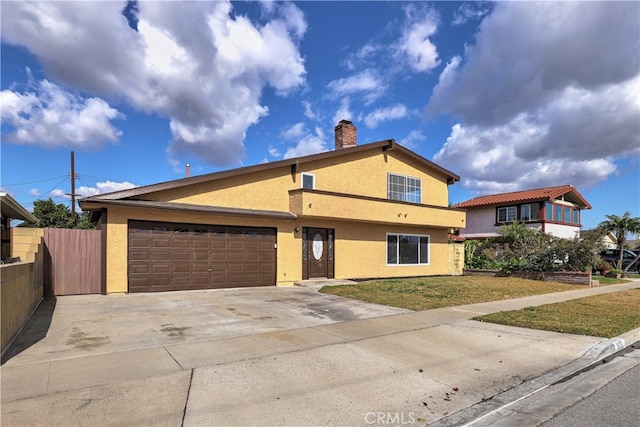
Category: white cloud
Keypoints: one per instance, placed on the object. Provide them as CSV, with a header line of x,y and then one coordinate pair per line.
x,y
365,83
103,187
547,99
308,111
380,115
411,140
58,193
344,112
470,11
311,143
34,192
415,43
295,131
273,151
53,117
191,62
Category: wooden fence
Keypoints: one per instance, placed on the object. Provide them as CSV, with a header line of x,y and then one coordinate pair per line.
x,y
72,261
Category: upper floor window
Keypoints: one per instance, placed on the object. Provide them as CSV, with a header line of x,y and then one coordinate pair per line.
x,y
404,188
530,212
507,214
548,209
561,213
308,181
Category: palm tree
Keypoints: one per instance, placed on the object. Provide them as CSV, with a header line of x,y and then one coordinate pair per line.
x,y
620,226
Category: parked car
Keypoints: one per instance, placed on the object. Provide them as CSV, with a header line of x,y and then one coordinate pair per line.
x,y
612,256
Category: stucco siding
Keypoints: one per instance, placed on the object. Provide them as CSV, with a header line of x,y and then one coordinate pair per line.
x,y
564,231
360,249
363,173
480,221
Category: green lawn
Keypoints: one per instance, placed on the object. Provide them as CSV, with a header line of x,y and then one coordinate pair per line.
x,y
425,293
606,315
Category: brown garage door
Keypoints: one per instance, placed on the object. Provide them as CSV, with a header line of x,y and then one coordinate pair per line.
x,y
173,257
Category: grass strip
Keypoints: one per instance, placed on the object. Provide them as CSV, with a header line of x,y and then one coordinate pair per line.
x,y
424,293
607,315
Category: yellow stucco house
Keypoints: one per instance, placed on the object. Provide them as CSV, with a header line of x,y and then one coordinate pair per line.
x,y
369,211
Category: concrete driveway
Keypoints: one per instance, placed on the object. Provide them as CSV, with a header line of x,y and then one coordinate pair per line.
x,y
399,369
82,325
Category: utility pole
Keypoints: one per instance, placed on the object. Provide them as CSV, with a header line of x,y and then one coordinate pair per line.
x,y
73,189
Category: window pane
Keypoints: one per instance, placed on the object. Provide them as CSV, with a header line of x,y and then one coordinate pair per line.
x,y
512,214
558,216
404,188
408,249
525,212
307,181
413,190
392,249
535,211
548,208
330,244
576,216
424,250
567,215
304,244
502,214
396,187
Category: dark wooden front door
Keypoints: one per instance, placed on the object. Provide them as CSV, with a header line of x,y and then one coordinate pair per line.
x,y
317,257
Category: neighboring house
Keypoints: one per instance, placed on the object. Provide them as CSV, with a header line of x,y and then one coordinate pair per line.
x,y
553,210
370,211
609,240
11,209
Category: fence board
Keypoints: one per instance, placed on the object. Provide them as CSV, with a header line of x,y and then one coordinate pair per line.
x,y
72,261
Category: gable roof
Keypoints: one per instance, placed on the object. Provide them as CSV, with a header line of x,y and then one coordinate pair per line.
x,y
536,195
386,145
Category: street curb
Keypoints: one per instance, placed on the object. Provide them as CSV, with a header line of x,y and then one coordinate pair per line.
x,y
594,356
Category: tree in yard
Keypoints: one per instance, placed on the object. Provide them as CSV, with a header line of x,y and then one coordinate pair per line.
x,y
620,226
54,215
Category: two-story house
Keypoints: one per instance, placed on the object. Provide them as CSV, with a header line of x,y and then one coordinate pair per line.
x,y
553,210
370,211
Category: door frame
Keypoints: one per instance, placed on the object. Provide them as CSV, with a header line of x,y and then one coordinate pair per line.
x,y
307,241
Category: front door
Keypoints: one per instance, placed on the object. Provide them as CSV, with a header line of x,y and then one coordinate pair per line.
x,y
317,256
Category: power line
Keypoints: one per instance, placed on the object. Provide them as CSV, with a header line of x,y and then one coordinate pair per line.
x,y
33,182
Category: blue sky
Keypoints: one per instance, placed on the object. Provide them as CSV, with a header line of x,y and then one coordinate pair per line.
x,y
508,95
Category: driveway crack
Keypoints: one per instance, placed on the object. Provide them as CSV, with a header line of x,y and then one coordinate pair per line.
x,y
174,359
186,401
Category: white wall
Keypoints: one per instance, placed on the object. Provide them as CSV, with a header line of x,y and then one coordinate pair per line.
x,y
564,231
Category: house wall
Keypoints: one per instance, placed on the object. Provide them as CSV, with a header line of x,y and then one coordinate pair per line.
x,y
360,235
562,230
480,222
360,248
362,173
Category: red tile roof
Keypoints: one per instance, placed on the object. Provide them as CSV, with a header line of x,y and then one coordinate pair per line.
x,y
524,196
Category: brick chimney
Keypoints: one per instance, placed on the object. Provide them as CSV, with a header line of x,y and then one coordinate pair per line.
x,y
345,134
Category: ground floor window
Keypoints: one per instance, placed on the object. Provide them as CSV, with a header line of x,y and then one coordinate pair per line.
x,y
407,249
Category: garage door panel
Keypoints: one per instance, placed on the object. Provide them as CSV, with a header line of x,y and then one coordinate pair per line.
x,y
234,256
165,257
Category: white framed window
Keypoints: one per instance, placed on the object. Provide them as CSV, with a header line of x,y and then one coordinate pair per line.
x,y
407,249
404,188
507,214
308,181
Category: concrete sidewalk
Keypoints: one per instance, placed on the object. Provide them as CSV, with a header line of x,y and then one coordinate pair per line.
x,y
409,368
